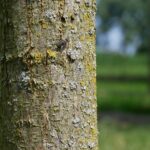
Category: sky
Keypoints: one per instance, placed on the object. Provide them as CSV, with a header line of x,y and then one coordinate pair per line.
x,y
113,40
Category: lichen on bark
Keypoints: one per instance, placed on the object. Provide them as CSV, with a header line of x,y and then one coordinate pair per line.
x,y
48,75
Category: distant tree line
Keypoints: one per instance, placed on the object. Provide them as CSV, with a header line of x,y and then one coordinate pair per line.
x,y
132,15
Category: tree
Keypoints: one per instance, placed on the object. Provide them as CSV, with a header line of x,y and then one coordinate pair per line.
x,y
133,16
47,54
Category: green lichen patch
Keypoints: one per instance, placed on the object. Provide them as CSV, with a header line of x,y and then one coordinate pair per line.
x,y
51,53
36,56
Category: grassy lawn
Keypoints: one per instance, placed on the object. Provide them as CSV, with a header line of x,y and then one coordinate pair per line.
x,y
125,96
114,136
121,65
122,96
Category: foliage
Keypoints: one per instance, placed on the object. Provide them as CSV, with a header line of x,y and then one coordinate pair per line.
x,y
132,15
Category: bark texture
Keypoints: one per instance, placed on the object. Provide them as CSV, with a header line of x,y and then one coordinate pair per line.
x,y
48,75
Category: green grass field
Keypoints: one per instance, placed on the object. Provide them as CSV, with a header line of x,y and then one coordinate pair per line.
x,y
122,96
114,64
126,96
114,136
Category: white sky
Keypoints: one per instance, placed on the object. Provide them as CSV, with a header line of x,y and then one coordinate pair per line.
x,y
115,38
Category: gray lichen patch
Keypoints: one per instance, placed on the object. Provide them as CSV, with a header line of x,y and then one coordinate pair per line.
x,y
50,15
73,85
24,79
76,121
73,54
78,45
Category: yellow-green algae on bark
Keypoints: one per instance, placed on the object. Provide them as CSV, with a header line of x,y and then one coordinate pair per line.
x,y
48,75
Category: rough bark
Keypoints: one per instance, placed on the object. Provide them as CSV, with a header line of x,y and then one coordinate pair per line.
x,y
47,73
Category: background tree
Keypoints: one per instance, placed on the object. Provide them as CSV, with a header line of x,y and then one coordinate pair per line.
x,y
132,15
47,54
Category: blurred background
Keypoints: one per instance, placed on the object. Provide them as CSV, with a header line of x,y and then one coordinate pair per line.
x,y
123,74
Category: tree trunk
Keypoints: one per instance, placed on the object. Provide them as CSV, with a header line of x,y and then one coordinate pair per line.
x,y
48,78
